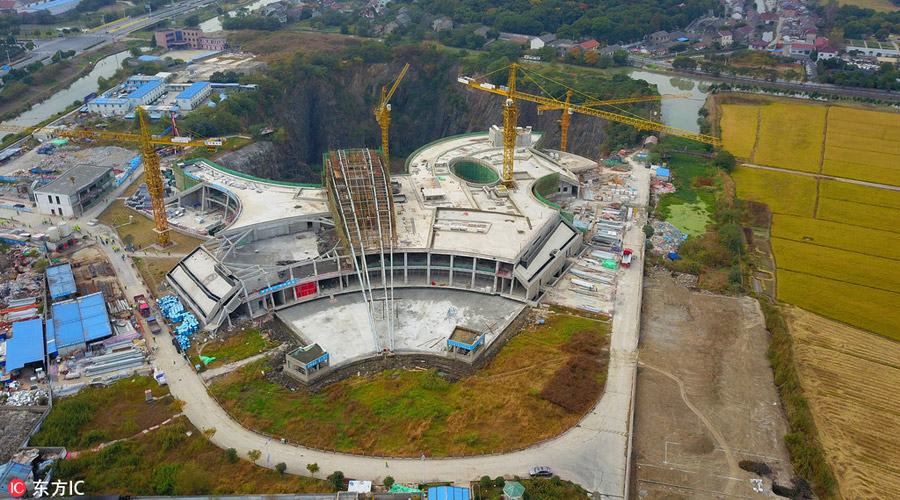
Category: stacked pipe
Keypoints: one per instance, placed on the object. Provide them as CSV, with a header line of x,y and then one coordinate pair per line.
x,y
172,310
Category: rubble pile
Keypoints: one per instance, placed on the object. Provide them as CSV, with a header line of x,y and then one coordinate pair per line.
x,y
666,238
28,398
659,187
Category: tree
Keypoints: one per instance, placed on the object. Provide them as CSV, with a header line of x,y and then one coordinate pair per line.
x,y
591,57
254,455
312,468
388,482
135,52
231,455
337,480
485,482
731,238
281,467
724,160
164,478
29,45
192,21
648,230
546,53
684,63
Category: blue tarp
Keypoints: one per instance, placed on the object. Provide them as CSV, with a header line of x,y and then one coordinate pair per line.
x,y
10,471
662,172
448,493
148,58
80,320
26,345
60,280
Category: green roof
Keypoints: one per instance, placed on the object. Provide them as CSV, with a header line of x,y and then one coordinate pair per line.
x,y
513,489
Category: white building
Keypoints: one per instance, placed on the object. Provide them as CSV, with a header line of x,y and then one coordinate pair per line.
x,y
192,96
109,106
119,101
74,191
541,41
147,93
55,7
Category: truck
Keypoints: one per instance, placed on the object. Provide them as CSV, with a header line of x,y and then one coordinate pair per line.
x,y
143,306
626,257
153,325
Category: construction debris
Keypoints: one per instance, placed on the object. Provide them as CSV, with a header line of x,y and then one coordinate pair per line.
x,y
666,238
28,398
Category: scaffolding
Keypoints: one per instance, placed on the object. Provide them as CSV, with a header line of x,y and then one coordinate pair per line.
x,y
360,190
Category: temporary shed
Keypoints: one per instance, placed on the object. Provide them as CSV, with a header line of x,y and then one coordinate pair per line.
x,y
448,493
79,321
662,173
61,281
359,486
26,345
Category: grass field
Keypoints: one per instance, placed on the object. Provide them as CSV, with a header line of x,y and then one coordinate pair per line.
x,y
850,378
785,194
401,413
235,348
791,136
739,127
153,269
877,5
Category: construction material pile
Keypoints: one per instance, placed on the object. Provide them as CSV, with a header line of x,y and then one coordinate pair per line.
x,y
28,398
659,187
666,238
172,310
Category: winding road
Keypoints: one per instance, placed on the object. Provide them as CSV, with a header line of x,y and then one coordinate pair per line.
x,y
592,454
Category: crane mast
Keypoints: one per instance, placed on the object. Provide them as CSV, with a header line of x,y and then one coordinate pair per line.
x,y
383,115
150,160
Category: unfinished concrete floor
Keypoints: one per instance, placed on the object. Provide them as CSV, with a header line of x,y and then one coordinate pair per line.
x,y
425,318
706,397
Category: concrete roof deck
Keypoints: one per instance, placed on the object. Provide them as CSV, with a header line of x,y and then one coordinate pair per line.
x,y
262,201
509,224
84,175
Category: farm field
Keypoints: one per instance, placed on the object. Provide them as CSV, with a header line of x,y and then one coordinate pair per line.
x,y
784,193
790,136
739,126
850,378
835,244
877,5
837,141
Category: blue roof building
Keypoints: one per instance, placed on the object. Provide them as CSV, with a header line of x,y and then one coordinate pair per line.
x,y
147,93
26,345
192,96
448,493
79,321
61,281
662,172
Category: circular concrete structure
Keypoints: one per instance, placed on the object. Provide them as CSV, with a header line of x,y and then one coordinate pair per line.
x,y
473,171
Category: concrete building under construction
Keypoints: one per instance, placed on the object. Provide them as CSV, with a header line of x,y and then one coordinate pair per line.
x,y
387,246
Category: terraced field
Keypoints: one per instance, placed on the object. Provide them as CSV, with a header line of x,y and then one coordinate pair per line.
x,y
850,378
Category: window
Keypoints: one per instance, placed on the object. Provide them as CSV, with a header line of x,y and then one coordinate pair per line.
x,y
57,201
52,211
50,198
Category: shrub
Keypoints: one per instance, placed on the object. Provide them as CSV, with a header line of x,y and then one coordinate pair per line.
x,y
485,482
388,482
254,455
312,468
337,480
231,455
499,482
164,478
281,467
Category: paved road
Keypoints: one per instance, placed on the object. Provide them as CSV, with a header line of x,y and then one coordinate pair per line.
x,y
824,177
592,454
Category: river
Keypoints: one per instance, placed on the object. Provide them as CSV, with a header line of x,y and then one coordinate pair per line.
x,y
215,24
680,113
81,87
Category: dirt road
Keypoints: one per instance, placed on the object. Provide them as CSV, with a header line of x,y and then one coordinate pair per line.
x,y
706,398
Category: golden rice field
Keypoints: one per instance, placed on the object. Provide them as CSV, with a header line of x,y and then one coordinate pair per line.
x,y
838,264
860,214
856,143
836,235
837,190
739,124
850,379
790,136
784,193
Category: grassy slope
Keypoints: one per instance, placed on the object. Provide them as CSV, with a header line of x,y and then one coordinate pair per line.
x,y
402,413
235,348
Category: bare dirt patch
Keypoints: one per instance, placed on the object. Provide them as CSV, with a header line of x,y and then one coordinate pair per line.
x,y
15,424
706,399
850,378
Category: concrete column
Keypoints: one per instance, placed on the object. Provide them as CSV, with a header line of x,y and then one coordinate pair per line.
x,y
428,268
474,267
405,268
451,269
496,270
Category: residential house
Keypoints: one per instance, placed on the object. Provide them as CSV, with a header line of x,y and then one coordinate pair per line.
x,y
800,49
659,37
811,34
768,17
590,45
789,12
562,45
609,50
725,38
516,38
827,52
482,31
758,45
541,41
744,34
442,23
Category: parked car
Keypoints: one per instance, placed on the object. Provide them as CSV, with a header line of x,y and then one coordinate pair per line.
x,y
542,471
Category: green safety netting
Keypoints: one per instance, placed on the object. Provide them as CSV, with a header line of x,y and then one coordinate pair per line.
x,y
609,264
399,488
59,142
474,172
207,360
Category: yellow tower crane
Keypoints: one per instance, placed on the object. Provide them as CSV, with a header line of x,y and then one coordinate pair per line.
x,y
383,114
510,115
150,159
566,116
